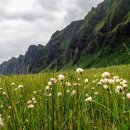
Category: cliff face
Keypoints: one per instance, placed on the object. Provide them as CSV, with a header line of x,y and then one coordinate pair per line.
x,y
102,38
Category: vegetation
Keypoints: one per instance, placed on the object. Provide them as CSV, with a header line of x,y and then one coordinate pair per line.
x,y
81,100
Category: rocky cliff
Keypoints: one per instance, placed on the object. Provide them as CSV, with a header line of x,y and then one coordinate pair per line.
x,y
102,38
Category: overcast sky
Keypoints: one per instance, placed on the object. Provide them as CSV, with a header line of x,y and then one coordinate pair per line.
x,y
26,22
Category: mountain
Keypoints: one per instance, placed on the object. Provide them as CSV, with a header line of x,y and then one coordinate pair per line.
x,y
102,38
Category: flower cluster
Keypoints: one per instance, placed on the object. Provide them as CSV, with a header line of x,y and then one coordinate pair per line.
x,y
31,103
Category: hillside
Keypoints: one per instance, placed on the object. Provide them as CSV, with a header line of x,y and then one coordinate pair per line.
x,y
100,39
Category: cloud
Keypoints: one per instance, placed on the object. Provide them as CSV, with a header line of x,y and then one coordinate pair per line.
x,y
23,22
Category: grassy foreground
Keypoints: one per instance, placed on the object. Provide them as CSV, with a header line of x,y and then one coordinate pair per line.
x,y
88,101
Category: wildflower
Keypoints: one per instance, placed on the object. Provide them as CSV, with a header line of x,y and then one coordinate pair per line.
x,y
9,117
79,70
9,107
47,88
34,100
29,102
26,120
49,94
92,88
1,122
35,92
96,93
61,77
49,83
86,95
20,86
78,79
105,81
117,80
68,84
128,96
59,94
106,87
73,92
124,81
53,80
86,81
118,89
106,75
12,84
68,91
30,106
125,86
115,77
4,93
89,99
16,89
111,81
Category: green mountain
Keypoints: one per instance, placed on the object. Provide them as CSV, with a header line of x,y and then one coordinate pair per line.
x,y
102,38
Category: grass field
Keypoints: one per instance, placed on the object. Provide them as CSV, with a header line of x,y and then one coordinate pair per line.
x,y
74,101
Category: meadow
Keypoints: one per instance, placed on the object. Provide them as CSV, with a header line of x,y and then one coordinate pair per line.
x,y
93,99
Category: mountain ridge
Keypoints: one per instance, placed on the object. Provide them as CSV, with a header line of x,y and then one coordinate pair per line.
x,y
100,39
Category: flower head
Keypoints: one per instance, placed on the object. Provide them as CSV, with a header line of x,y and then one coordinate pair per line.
x,y
106,75
61,77
89,99
1,122
86,81
20,86
128,96
79,70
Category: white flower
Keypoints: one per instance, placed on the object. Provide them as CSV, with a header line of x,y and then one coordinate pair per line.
x,y
68,91
115,77
86,81
128,96
89,99
117,80
53,80
35,92
29,102
20,86
59,94
30,106
111,81
4,93
125,86
79,70
47,88
118,89
49,83
49,94
16,89
68,84
124,81
96,93
106,87
73,92
106,75
34,100
61,77
1,122
9,107
105,81
12,84
9,117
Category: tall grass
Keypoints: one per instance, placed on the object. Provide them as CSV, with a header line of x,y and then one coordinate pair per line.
x,y
65,106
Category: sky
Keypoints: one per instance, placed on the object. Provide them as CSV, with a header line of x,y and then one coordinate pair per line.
x,y
27,22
